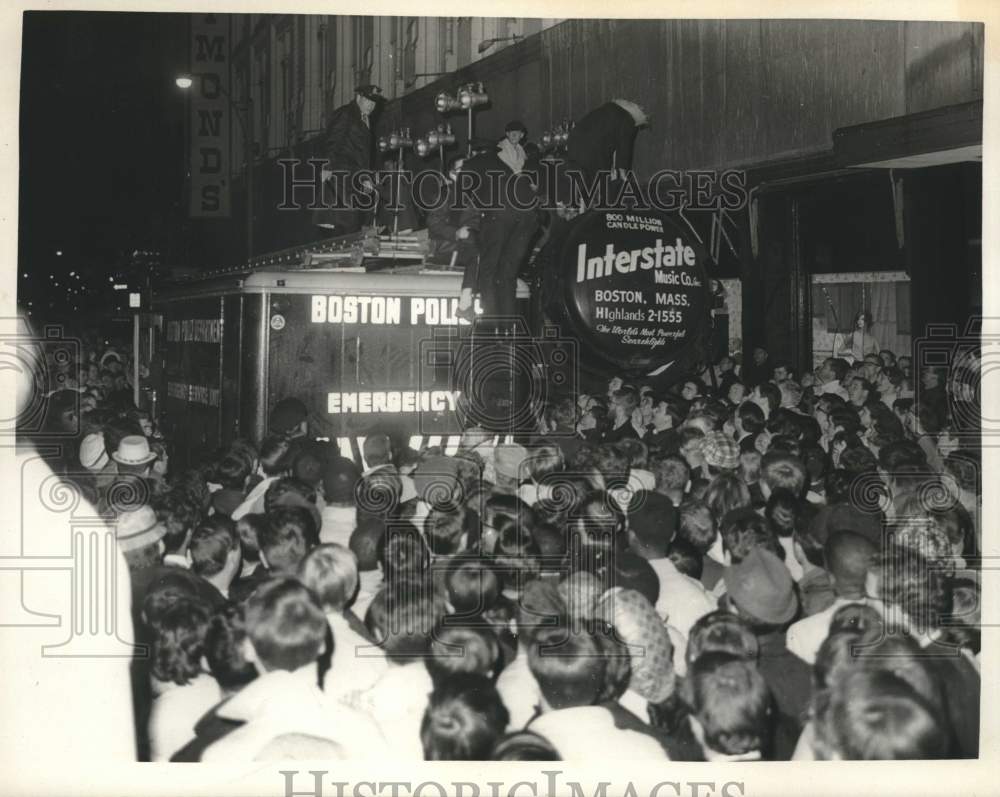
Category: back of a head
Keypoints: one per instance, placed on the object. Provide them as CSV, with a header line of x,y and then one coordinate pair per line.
x,y
743,530
634,572
473,586
403,552
778,470
285,624
365,541
402,618
721,632
848,558
211,543
463,720
731,701
340,479
289,534
697,525
224,648
569,668
287,414
671,472
524,746
726,492
467,648
652,520
232,472
874,715
274,455
179,641
331,572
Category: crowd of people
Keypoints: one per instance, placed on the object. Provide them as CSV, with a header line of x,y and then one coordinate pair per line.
x,y
751,565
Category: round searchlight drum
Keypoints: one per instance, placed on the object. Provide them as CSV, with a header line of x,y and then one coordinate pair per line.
x,y
635,290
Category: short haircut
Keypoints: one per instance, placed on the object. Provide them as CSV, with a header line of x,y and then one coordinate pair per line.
x,y
563,413
365,542
543,459
288,536
249,528
848,557
224,648
629,396
634,450
751,417
286,625
743,530
331,572
876,715
232,472
633,572
179,641
471,647
778,470
211,542
288,485
178,513
569,668
463,720
907,580
697,525
671,472
726,492
473,586
686,558
783,511
403,551
721,632
731,700
402,618
791,391
443,530
274,455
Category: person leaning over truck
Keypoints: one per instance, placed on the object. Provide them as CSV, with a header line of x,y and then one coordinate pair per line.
x,y
453,231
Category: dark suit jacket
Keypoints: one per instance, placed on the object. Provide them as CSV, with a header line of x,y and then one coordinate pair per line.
x,y
790,681
600,134
349,147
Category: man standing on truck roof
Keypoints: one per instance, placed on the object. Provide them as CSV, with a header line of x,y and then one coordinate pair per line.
x,y
349,148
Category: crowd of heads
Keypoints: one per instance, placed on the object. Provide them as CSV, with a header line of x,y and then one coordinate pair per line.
x,y
751,564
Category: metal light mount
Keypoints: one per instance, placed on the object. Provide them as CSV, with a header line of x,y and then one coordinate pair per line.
x,y
445,103
472,96
399,140
557,136
438,138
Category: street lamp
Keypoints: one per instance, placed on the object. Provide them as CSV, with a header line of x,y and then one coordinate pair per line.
x,y
185,82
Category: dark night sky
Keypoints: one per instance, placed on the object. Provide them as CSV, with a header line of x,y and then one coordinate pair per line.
x,y
102,150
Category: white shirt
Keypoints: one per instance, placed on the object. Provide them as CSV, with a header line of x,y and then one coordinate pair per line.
x,y
398,702
281,702
357,663
588,733
254,502
338,523
519,691
683,601
833,386
176,711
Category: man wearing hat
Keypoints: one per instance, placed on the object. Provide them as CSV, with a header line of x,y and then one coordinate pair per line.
x,y
506,232
720,452
348,149
511,151
760,590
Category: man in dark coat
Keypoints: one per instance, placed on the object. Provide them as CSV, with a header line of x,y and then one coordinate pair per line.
x,y
506,231
453,229
348,148
603,139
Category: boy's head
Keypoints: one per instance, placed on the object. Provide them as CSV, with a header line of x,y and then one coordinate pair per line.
x,y
848,558
458,649
721,632
782,470
365,542
179,641
225,648
250,527
286,627
473,586
570,668
232,472
731,703
697,525
215,549
377,450
331,572
464,719
672,473
274,455
289,534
